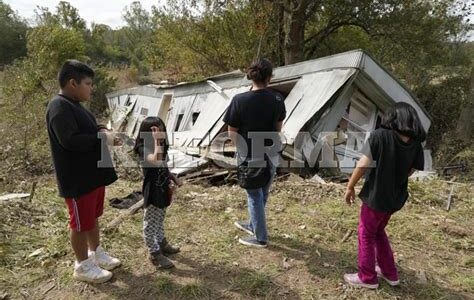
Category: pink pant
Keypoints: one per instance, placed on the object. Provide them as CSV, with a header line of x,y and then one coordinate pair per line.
x,y
373,243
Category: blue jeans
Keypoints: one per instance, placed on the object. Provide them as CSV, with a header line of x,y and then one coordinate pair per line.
x,y
257,200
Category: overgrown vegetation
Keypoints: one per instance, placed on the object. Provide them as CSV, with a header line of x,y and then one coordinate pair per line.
x,y
306,257
422,42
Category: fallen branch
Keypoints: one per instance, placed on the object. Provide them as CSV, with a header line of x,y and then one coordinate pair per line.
x,y
221,173
131,211
347,235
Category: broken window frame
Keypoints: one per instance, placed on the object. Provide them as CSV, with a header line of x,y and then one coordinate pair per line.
x,y
144,111
179,121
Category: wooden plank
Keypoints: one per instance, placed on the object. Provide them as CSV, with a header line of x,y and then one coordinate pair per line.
x,y
450,198
217,174
131,211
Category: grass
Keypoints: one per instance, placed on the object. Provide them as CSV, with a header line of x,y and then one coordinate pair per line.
x,y
305,260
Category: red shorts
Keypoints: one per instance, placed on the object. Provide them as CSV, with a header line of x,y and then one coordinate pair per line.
x,y
84,210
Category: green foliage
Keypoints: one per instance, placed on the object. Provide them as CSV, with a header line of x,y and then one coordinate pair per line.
x,y
445,100
12,33
30,83
137,36
50,45
215,40
103,84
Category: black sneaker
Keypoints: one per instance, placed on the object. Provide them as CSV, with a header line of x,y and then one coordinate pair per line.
x,y
252,241
167,248
243,226
161,261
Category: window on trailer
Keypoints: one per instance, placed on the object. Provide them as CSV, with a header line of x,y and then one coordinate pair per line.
x,y
178,122
284,87
360,117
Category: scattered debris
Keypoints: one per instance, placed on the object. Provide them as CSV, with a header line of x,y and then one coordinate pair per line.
x,y
37,252
294,178
452,169
347,235
49,287
216,174
454,230
14,196
423,175
287,263
318,179
421,277
126,202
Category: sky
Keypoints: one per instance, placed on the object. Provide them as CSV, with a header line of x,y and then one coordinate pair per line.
x,y
103,12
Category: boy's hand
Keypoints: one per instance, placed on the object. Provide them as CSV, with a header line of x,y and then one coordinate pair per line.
x,y
350,195
112,138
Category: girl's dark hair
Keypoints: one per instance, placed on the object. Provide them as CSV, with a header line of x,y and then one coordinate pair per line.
x,y
260,71
145,127
404,119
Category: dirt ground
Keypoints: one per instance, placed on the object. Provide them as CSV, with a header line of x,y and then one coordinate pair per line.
x,y
306,258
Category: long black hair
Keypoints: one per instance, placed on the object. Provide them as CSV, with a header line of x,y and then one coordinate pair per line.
x,y
260,71
145,132
404,119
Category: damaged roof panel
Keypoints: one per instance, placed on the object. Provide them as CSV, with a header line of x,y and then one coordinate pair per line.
x,y
314,96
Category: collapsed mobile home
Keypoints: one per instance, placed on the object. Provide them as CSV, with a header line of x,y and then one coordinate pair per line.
x,y
325,99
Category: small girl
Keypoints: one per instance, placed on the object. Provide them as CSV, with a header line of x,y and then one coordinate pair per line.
x,y
152,146
390,156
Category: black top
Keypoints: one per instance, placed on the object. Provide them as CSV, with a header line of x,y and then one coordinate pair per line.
x,y
385,187
76,148
255,111
156,181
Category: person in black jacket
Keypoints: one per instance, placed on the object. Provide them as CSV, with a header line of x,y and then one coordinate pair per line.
x,y
77,151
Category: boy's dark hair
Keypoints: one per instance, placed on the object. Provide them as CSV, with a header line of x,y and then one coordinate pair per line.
x,y
74,69
260,71
404,119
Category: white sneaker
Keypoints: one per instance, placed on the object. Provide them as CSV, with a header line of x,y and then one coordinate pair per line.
x,y
380,275
354,280
88,271
103,259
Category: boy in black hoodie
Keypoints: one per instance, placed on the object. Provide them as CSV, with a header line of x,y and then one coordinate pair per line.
x,y
76,150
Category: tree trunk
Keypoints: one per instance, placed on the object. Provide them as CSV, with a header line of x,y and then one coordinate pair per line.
x,y
465,126
294,25
280,16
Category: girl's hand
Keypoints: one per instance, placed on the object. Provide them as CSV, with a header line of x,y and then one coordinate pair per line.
x,y
350,195
157,134
172,187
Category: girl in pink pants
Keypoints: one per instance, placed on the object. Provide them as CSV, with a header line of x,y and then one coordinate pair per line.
x,y
390,155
